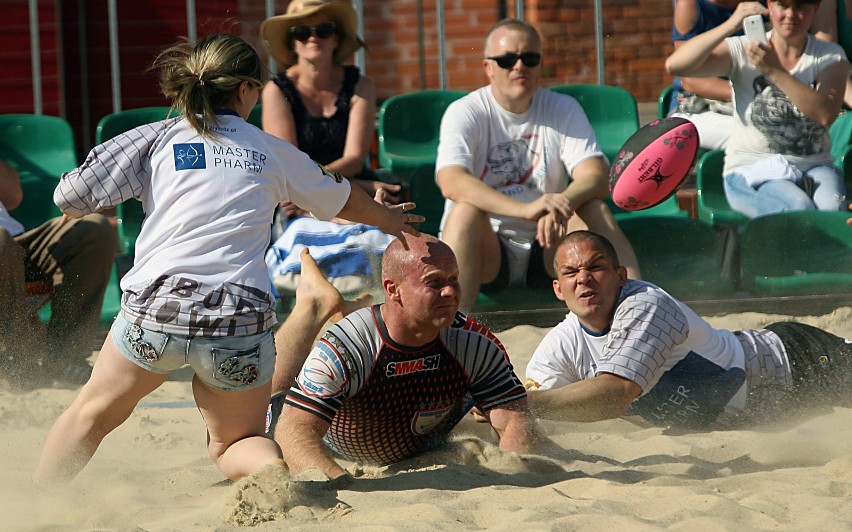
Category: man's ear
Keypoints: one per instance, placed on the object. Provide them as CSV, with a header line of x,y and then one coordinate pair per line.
x,y
486,66
557,290
391,290
622,274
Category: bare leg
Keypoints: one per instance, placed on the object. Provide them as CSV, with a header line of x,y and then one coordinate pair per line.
x,y
235,423
317,302
468,233
104,403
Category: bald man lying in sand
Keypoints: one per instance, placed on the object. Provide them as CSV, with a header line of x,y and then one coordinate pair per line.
x,y
628,347
390,381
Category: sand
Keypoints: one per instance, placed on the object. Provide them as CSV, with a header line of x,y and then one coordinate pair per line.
x,y
153,473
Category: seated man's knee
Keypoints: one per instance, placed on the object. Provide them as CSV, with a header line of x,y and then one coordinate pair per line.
x,y
462,220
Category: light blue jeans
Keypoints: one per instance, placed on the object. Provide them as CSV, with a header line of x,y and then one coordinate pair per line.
x,y
227,363
782,195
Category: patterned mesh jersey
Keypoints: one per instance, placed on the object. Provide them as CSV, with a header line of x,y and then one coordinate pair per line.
x,y
386,402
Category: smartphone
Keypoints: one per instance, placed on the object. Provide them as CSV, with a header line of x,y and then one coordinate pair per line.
x,y
753,28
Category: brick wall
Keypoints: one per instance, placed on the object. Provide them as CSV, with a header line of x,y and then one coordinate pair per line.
x,y
403,54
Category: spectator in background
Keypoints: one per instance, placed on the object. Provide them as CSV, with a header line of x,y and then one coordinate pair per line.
x,y
75,257
705,101
786,96
520,167
327,109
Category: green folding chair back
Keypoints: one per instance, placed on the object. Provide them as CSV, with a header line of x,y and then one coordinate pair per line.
x,y
612,111
130,214
409,126
41,148
680,255
797,253
841,136
711,202
664,102
255,116
121,121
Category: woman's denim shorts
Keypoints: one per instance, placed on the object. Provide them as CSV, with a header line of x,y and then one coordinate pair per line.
x,y
228,363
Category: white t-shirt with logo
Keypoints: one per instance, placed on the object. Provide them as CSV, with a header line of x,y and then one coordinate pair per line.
x,y
521,155
209,203
766,122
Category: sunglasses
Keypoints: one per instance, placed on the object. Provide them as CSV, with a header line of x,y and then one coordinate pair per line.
x,y
320,31
508,60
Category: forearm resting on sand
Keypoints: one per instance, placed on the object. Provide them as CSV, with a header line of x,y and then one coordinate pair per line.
x,y
603,397
300,434
515,427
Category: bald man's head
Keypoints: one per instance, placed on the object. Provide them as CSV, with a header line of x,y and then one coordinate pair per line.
x,y
399,262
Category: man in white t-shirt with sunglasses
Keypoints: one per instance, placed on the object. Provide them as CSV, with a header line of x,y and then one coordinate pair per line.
x,y
520,167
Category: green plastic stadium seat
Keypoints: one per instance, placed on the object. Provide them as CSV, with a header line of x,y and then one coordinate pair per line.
x,y
680,255
668,207
129,213
409,126
841,135
664,102
255,116
713,206
797,253
41,148
612,111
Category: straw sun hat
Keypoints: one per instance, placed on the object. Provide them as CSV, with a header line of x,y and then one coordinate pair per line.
x,y
275,31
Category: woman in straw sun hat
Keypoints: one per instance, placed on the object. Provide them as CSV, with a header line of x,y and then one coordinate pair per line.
x,y
323,106
327,109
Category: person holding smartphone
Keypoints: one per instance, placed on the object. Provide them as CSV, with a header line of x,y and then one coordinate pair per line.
x,y
786,95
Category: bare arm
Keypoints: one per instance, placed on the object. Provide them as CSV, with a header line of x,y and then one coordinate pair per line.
x,y
606,396
685,17
462,187
821,103
359,133
300,434
824,25
589,180
277,115
707,54
515,427
11,193
392,220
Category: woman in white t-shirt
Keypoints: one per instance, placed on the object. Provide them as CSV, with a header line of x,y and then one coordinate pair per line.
x,y
786,95
198,293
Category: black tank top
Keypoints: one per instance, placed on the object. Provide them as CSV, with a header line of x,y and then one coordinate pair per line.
x,y
322,138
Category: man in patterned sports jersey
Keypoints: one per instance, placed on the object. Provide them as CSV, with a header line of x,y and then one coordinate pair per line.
x,y
628,347
390,381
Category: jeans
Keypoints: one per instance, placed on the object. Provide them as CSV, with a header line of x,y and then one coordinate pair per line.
x,y
227,363
782,195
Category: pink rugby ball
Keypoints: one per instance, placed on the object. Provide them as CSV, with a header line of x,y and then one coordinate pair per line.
x,y
653,163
